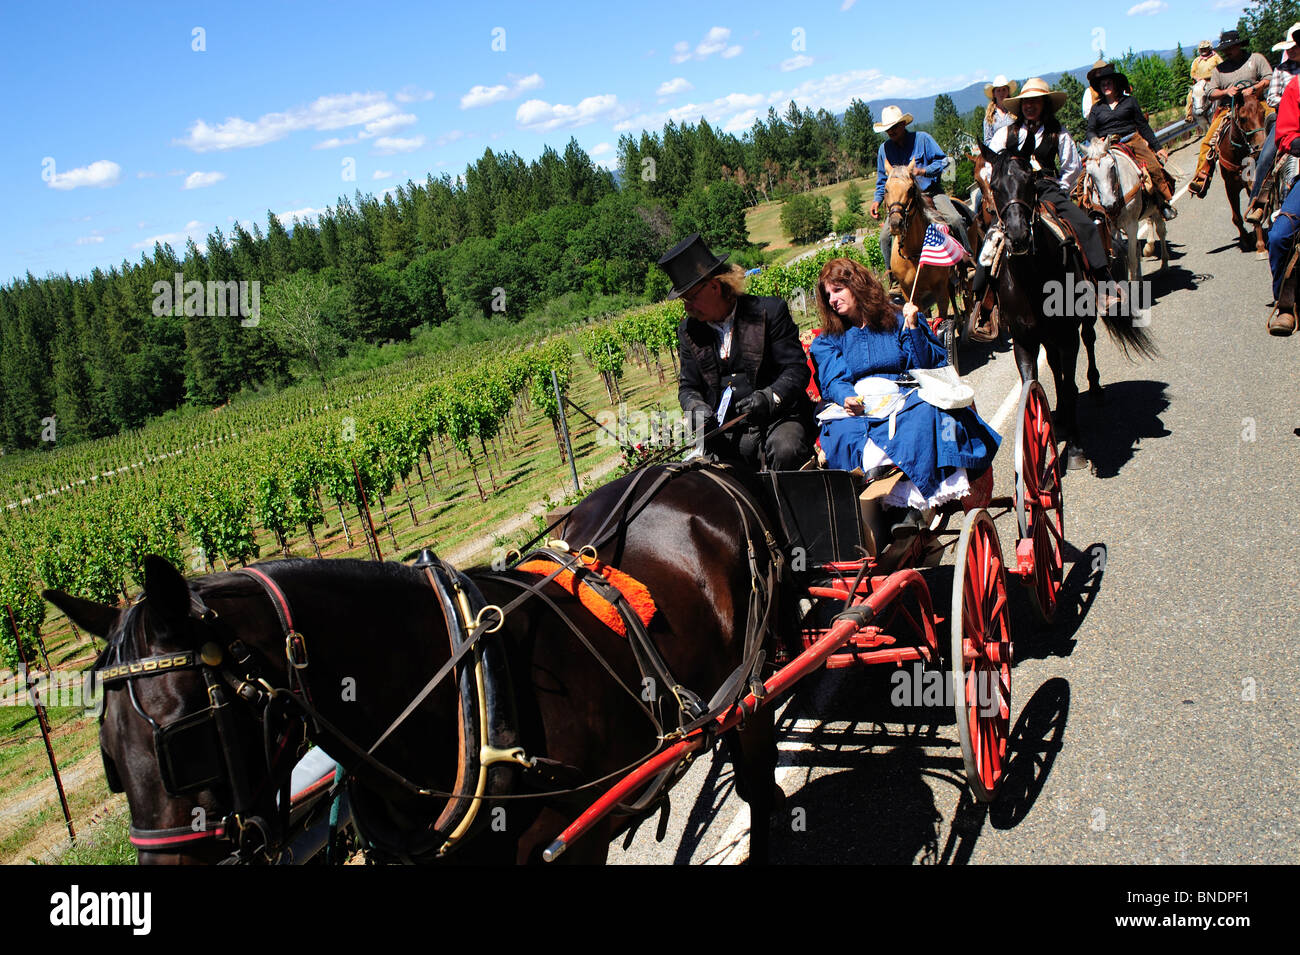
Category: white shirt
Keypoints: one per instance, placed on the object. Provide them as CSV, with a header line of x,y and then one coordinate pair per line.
x,y
723,330
1068,163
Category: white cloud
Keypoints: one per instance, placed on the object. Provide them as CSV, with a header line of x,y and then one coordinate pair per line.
x,y
286,218
387,145
101,173
1148,7
334,143
796,63
143,174
197,180
386,125
382,174
413,94
487,95
742,122
334,111
544,117
600,149
90,240
450,136
1230,4
847,4
193,230
675,85
715,41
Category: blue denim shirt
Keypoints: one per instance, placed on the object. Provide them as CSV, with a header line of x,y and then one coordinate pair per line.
x,y
921,147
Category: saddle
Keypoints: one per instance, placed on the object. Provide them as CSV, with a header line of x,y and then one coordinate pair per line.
x,y
1057,225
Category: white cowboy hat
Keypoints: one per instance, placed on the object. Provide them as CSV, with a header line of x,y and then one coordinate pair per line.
x,y
1033,88
890,117
1001,80
1204,46
1290,39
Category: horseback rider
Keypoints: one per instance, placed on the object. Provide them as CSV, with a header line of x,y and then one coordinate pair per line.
x,y
1059,168
745,345
1202,69
1285,72
1239,68
903,147
1281,237
997,115
1117,113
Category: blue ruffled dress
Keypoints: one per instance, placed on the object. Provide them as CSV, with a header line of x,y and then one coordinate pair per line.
x,y
929,443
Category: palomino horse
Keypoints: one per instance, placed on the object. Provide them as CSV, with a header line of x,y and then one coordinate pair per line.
x,y
1036,295
211,685
1241,137
910,211
1117,186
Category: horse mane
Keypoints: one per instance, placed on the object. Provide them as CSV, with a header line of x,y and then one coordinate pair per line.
x,y
901,172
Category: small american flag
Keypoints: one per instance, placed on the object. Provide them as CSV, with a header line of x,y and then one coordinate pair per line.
x,y
940,248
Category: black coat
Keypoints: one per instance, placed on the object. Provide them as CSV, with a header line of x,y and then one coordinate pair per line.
x,y
764,345
1123,118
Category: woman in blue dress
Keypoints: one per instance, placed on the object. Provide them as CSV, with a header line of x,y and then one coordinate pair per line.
x,y
941,453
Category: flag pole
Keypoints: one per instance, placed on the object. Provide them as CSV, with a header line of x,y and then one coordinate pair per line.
x,y
912,297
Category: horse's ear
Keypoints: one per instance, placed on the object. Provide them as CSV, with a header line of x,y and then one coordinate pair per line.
x,y
988,154
911,167
93,617
889,169
166,589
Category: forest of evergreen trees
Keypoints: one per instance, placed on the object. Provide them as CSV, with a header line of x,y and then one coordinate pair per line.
x,y
93,353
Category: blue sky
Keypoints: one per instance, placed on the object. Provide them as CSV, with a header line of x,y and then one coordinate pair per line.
x,y
133,127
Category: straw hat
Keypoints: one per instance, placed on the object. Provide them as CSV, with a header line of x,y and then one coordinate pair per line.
x,y
1205,46
891,116
1290,39
1001,80
1034,88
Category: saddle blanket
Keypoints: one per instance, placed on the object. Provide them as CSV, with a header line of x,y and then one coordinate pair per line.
x,y
634,592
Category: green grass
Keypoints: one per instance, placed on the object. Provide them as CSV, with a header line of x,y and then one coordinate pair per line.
x,y
105,843
764,220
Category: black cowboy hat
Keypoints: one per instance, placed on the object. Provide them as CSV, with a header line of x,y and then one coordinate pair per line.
x,y
689,263
1227,40
1108,72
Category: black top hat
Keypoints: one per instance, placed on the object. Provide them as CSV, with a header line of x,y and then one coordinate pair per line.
x,y
1228,39
1108,72
688,263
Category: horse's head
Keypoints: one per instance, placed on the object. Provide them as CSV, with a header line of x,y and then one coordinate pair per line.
x,y
1200,103
1248,117
1103,171
173,735
1011,181
902,197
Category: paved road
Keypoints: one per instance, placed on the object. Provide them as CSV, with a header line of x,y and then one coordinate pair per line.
x,y
1156,720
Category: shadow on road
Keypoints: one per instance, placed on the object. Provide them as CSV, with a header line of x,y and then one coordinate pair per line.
x,y
1035,741
1115,430
1079,591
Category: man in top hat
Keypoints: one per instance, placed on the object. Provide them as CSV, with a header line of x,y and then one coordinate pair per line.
x,y
903,147
1239,68
1282,76
1116,113
1059,168
748,344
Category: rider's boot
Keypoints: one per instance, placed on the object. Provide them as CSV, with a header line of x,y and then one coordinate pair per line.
x,y
1283,320
1255,214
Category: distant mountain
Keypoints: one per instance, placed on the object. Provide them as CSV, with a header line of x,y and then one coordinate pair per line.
x,y
972,96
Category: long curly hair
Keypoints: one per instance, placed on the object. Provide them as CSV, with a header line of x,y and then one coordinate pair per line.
x,y
873,306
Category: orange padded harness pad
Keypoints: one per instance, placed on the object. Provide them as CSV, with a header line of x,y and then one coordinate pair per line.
x,y
634,592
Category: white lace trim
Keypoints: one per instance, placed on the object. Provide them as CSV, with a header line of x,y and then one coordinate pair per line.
x,y
905,493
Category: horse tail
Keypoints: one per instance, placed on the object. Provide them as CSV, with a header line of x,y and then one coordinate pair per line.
x,y
1132,339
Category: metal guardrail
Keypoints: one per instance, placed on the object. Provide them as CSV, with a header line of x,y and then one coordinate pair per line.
x,y
1173,131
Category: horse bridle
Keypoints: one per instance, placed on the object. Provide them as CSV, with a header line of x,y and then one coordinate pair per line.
x,y
905,209
201,750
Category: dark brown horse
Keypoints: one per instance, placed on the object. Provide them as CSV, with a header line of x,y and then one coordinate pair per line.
x,y
207,700
1039,296
1242,138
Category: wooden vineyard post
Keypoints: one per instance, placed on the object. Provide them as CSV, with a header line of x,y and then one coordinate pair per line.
x,y
43,721
564,431
365,503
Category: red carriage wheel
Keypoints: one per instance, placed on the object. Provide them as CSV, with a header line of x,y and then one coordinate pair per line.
x,y
981,654
1040,510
